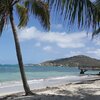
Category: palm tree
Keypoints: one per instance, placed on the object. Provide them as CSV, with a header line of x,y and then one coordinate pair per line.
x,y
23,8
85,12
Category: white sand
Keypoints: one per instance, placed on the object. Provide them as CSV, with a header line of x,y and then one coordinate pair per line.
x,y
16,87
86,90
89,87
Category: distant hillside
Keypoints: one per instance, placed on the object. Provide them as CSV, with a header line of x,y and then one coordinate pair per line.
x,y
74,61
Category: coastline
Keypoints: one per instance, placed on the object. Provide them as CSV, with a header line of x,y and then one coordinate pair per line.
x,y
71,87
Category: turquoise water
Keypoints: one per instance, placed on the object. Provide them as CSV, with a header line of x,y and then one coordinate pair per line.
x,y
11,72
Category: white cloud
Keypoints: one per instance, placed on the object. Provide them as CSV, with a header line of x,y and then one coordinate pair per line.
x,y
97,41
28,33
71,45
62,40
96,51
48,48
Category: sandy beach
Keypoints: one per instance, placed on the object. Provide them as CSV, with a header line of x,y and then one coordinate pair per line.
x,y
85,90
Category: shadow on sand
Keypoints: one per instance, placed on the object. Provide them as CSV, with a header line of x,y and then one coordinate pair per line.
x,y
80,94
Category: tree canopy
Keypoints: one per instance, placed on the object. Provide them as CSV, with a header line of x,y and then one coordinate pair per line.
x,y
24,8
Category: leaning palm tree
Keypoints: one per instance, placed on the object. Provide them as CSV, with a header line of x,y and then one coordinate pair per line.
x,y
23,9
85,12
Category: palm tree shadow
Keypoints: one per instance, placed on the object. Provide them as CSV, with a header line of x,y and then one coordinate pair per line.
x,y
89,94
80,94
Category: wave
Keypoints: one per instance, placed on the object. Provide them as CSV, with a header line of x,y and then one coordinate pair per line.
x,y
43,82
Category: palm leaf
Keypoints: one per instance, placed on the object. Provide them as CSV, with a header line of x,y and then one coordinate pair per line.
x,y
96,32
97,3
4,13
40,10
23,15
1,25
83,11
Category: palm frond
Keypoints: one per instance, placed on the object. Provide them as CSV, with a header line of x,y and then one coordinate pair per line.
x,y
40,10
97,3
23,15
83,11
96,32
1,25
3,14
3,6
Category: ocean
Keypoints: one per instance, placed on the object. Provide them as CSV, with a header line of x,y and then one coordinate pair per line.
x,y
10,73
39,77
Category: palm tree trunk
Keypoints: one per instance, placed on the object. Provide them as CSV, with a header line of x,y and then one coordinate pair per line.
x,y
19,56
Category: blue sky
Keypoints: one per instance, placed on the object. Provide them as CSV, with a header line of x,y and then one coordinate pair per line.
x,y
38,45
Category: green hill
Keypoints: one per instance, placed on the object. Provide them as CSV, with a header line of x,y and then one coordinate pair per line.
x,y
74,61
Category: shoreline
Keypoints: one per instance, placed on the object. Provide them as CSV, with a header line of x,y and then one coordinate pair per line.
x,y
86,90
45,89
